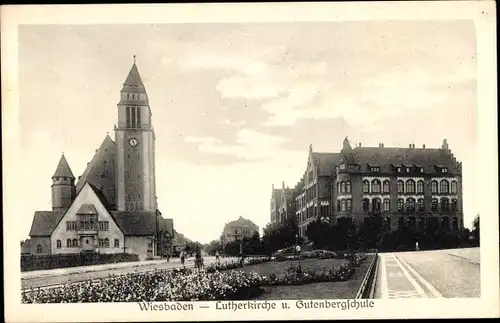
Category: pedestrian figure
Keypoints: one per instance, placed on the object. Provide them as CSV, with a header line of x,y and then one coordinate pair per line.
x,y
242,259
183,257
168,256
198,259
416,246
217,256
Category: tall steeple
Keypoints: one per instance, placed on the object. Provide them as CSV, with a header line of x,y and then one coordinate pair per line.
x,y
63,186
135,145
133,90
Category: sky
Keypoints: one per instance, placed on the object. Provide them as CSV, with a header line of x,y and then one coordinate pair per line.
x,y
236,106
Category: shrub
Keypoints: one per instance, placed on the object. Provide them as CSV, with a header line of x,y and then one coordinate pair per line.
x,y
42,262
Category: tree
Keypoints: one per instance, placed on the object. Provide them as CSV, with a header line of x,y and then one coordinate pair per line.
x,y
212,247
279,236
475,230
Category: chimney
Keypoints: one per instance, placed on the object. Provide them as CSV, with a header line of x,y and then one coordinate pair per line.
x,y
283,184
359,144
423,146
410,145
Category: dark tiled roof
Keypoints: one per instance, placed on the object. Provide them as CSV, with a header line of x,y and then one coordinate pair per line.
x,y
44,222
136,223
101,172
134,78
87,209
326,162
241,221
387,158
63,169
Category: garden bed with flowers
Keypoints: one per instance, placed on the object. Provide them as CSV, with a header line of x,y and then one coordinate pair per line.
x,y
225,283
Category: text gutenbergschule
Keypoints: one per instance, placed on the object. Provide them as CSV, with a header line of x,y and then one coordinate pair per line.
x,y
309,304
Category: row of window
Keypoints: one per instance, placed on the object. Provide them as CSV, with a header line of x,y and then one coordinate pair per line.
x,y
410,206
409,187
398,169
73,243
87,225
133,117
411,223
344,187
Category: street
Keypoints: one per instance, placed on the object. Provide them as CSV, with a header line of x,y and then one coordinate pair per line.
x,y
77,274
429,274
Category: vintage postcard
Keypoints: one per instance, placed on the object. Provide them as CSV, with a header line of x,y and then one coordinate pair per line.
x,y
250,161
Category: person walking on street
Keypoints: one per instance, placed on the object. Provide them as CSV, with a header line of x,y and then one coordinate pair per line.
x,y
217,256
183,257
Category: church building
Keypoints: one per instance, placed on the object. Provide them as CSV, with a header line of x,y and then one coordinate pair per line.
x,y
112,208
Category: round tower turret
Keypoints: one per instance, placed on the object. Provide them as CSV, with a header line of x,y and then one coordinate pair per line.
x,y
63,186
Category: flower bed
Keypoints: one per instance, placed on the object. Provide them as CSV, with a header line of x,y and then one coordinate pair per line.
x,y
296,276
180,285
228,265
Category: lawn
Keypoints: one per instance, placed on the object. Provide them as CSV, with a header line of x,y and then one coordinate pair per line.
x,y
333,290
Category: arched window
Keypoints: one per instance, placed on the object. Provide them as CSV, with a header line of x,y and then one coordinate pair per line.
x,y
445,205
387,205
376,205
106,243
444,187
348,187
366,186
58,244
410,205
338,205
434,206
410,186
421,223
375,186
68,243
39,248
338,187
454,205
401,187
342,187
455,223
387,187
445,223
420,187
342,205
366,205
401,203
401,222
75,243
454,187
434,187
421,205
387,223
349,204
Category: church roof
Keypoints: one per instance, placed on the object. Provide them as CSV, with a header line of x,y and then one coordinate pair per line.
x,y
133,82
101,172
44,222
136,223
63,169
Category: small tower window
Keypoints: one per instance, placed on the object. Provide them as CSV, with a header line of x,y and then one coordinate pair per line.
x,y
128,117
117,243
138,117
39,248
58,244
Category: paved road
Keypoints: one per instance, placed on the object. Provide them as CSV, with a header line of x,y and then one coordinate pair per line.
x,y
429,274
59,276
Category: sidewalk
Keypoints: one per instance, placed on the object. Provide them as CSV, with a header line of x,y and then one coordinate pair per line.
x,y
93,268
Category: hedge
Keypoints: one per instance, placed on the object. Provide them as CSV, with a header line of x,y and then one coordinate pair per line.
x,y
42,262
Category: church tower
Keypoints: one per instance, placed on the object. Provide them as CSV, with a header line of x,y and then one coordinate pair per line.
x,y
63,186
135,146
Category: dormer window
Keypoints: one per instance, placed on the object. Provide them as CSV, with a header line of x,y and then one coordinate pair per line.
x,y
342,166
408,169
444,170
399,169
375,169
421,169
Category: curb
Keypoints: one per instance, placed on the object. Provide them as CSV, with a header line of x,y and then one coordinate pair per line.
x,y
366,284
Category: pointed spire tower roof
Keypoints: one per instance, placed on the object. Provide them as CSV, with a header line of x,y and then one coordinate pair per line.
x,y
133,82
63,169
